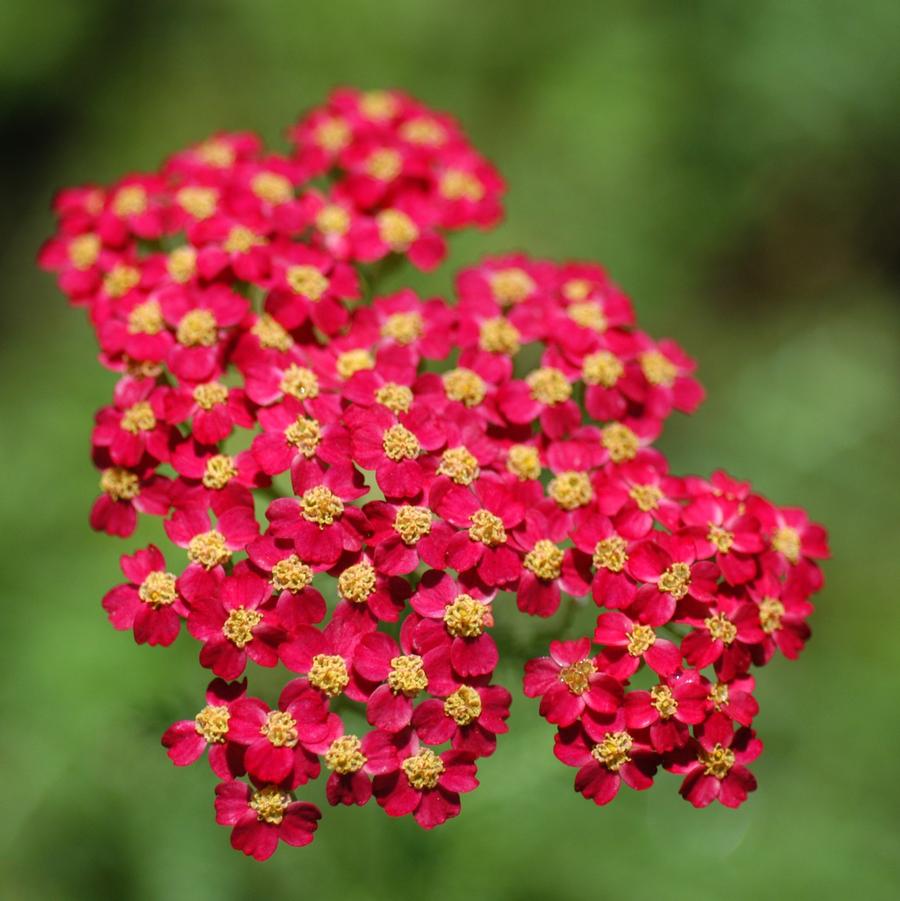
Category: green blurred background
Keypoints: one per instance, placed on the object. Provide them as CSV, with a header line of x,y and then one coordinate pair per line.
x,y
736,167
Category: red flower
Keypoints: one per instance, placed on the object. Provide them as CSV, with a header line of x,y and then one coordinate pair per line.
x,y
150,604
456,619
259,817
135,426
426,784
353,763
570,681
125,493
716,768
186,740
236,625
668,708
629,643
605,760
320,522
470,717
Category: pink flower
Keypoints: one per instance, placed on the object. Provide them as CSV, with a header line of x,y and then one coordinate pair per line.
x,y
186,740
570,681
135,426
150,604
236,625
606,760
455,619
354,761
716,768
426,784
668,708
259,817
628,643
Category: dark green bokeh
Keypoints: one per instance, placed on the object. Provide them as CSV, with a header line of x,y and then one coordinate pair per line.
x,y
735,165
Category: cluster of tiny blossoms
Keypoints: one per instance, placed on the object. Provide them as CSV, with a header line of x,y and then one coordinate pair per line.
x,y
436,458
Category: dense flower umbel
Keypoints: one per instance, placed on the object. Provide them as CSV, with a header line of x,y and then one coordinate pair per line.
x,y
357,483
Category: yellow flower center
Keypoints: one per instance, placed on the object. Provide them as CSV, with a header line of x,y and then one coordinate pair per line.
x,y
329,674
577,676
422,131
549,386
272,187
510,286
423,770
280,728
465,617
211,724
219,154
463,706
397,398
718,695
119,484
197,329
120,280
378,105
459,465
524,462
210,395
333,220
320,505
146,319
640,639
457,184
620,442
291,574
721,628
602,368
464,386
576,289
571,490
271,334
611,553
787,541
675,580
139,417
396,229
499,336
239,626
299,382
385,164
717,762
588,315
333,134
412,523
544,560
357,582
647,497
201,203
400,443
182,264
220,470
345,755
83,251
241,240
487,528
270,804
130,201
308,281
305,435
158,589
407,675
664,701
208,549
612,752
351,361
404,328
771,610
658,369
721,538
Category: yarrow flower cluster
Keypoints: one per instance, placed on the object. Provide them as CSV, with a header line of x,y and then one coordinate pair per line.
x,y
354,482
